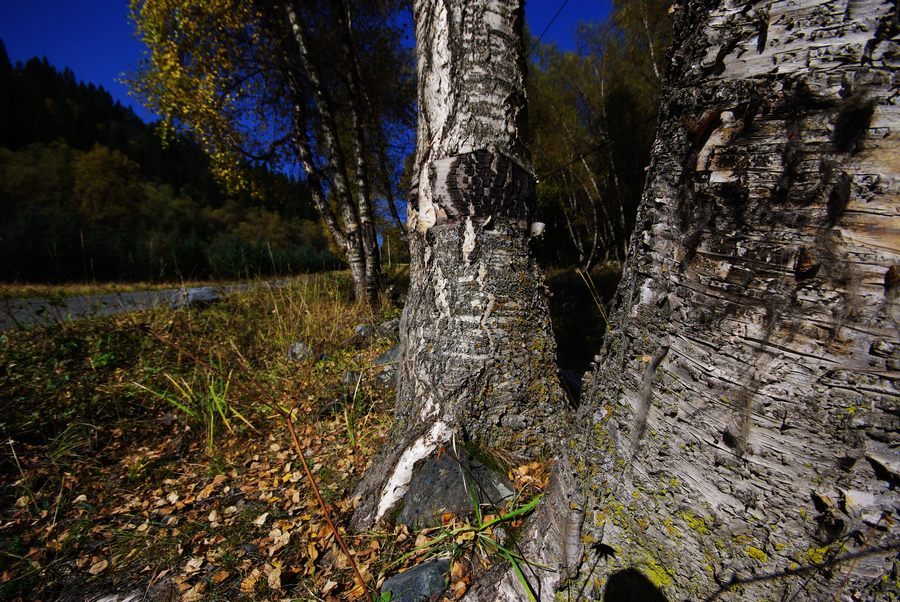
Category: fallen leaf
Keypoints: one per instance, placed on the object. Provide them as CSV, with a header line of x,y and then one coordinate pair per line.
x,y
194,594
457,570
465,536
193,565
98,567
458,589
275,578
261,519
249,582
221,576
329,585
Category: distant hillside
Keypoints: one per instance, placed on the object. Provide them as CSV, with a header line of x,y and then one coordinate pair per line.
x,y
89,191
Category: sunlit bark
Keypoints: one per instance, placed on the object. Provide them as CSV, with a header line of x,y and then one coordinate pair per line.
x,y
478,352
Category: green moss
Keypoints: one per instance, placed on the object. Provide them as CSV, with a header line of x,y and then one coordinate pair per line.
x,y
695,523
815,555
660,576
757,554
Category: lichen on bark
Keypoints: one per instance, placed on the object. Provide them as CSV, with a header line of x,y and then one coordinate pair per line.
x,y
768,222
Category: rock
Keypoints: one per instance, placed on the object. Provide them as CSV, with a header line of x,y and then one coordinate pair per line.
x,y
420,583
349,378
437,486
388,376
299,352
195,297
389,329
391,356
363,331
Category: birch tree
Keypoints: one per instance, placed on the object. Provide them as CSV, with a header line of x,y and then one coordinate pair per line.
x,y
478,359
739,434
289,87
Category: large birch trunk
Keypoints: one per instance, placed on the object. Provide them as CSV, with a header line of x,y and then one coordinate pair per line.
x,y
742,421
478,352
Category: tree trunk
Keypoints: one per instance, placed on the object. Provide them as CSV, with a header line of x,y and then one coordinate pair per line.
x,y
743,418
478,352
360,244
738,437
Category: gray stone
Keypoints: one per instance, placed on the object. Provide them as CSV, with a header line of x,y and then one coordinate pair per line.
x,y
389,329
437,486
391,356
388,376
195,297
420,583
363,331
349,378
299,352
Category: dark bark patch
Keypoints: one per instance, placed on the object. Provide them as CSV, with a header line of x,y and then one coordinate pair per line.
x,y
790,161
852,123
729,439
631,585
735,198
806,265
891,278
838,199
483,183
762,28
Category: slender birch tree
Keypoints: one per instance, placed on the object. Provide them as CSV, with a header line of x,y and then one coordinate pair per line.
x,y
478,359
289,86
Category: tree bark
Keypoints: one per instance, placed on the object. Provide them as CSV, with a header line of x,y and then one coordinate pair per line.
x,y
358,103
742,422
478,352
360,246
738,436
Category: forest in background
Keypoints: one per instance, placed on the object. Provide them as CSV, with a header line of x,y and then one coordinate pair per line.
x,y
88,191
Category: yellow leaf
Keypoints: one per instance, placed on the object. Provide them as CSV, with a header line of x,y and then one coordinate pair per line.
x,y
98,567
275,579
457,570
465,536
249,582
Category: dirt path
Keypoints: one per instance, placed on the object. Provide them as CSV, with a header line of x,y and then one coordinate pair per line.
x,y
37,311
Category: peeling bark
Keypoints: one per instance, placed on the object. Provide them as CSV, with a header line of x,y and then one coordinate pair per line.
x,y
478,352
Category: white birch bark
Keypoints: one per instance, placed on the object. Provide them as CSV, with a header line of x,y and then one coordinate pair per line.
x,y
478,353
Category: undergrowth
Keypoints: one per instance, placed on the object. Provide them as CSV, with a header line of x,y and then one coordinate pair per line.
x,y
145,452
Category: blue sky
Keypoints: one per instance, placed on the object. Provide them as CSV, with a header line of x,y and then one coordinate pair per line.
x,y
95,40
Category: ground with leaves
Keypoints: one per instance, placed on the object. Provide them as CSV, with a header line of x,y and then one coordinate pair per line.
x,y
149,453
